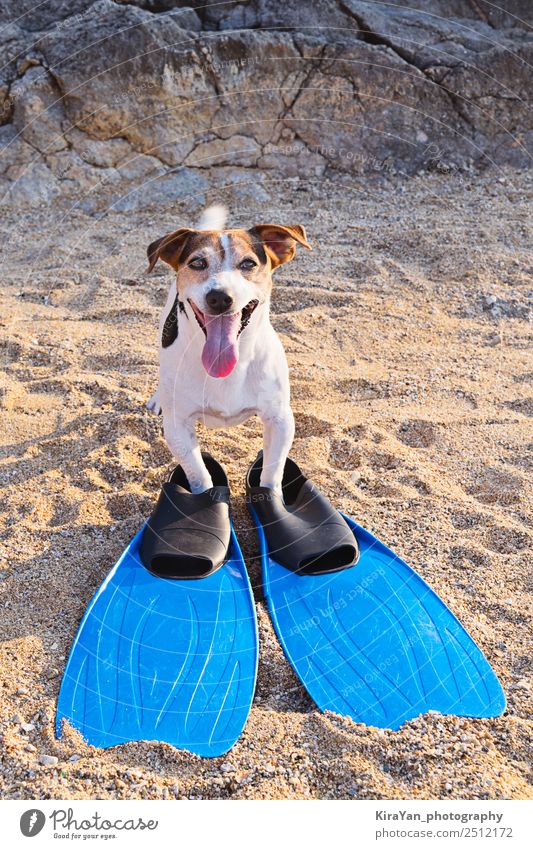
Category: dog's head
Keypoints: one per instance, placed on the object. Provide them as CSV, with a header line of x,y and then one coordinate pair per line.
x,y
223,276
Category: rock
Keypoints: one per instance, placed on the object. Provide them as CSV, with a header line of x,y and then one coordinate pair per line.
x,y
138,166
236,150
52,13
27,727
263,14
135,773
69,166
292,157
186,17
13,150
38,112
114,94
48,760
424,37
184,184
33,184
241,185
104,154
52,673
136,89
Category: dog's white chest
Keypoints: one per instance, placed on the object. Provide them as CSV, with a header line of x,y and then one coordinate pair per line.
x,y
228,402
224,418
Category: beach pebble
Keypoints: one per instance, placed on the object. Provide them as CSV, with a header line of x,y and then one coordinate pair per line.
x,y
52,673
134,773
74,758
48,760
27,727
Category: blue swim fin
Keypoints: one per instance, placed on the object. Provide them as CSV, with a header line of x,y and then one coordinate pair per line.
x,y
167,660
372,641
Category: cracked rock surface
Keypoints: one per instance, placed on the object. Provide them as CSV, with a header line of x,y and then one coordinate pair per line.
x,y
102,98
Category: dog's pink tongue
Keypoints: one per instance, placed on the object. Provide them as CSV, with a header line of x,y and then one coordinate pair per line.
x,y
221,352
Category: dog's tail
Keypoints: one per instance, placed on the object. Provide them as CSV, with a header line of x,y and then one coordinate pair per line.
x,y
213,218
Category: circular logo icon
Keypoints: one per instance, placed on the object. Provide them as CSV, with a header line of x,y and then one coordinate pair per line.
x,y
32,822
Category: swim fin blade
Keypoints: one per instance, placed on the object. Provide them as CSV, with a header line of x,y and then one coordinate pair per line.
x,y
168,660
374,641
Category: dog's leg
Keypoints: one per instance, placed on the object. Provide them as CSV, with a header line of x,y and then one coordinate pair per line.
x,y
278,436
181,439
154,404
167,320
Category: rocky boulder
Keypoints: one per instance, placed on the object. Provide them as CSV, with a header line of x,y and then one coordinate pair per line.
x,y
102,98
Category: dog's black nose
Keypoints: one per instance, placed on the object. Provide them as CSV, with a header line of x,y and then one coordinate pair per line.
x,y
218,301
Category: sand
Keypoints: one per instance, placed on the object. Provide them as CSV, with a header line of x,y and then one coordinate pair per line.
x,y
406,332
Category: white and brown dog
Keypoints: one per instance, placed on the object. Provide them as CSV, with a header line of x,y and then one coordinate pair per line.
x,y
221,360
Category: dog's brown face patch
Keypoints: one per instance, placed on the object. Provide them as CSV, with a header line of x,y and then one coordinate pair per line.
x,y
205,255
270,245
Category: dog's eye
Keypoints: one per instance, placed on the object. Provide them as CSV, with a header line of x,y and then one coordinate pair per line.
x,y
198,263
247,264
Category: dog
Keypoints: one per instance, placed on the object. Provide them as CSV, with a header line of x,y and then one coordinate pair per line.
x,y
221,361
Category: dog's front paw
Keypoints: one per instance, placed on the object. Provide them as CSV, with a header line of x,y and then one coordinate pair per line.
x,y
154,404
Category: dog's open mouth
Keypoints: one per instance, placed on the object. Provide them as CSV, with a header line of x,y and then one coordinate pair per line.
x,y
221,351
245,313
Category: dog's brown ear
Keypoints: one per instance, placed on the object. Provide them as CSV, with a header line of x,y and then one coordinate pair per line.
x,y
279,241
168,248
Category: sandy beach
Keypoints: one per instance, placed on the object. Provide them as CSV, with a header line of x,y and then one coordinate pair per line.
x,y
406,330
